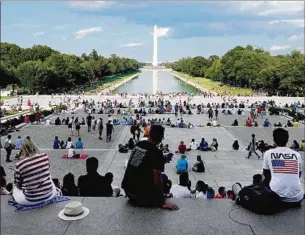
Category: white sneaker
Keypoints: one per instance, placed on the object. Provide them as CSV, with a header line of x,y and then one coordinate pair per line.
x,y
236,188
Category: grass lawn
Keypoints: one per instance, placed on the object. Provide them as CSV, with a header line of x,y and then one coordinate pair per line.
x,y
110,81
11,112
215,86
7,97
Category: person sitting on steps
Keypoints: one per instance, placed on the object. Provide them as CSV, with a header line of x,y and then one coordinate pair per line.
x,y
181,148
235,145
235,123
199,165
203,146
282,186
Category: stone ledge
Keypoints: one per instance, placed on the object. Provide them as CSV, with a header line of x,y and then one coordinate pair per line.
x,y
116,216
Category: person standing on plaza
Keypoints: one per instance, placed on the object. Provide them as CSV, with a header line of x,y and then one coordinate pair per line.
x,y
8,146
70,125
94,123
210,113
89,122
138,132
100,127
133,129
109,131
252,148
176,109
77,127
216,113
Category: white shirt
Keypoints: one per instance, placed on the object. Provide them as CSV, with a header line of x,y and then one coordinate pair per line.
x,y
285,165
69,144
214,123
179,191
71,153
193,145
201,195
48,122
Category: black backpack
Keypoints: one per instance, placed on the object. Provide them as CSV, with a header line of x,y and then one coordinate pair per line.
x,y
259,199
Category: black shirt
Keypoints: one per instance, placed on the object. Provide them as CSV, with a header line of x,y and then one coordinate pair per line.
x,y
200,167
89,120
139,175
109,128
71,191
94,185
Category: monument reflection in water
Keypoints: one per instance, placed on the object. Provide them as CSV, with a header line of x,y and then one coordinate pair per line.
x,y
152,82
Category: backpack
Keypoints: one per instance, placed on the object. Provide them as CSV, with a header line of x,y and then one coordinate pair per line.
x,y
6,145
259,199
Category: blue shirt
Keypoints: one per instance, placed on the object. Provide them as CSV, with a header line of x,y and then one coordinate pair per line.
x,y
266,123
56,144
18,143
176,108
182,165
79,144
204,145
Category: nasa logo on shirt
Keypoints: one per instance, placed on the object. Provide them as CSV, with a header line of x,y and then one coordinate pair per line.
x,y
284,163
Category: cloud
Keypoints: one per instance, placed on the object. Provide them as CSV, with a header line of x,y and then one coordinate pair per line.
x,y
133,45
22,25
279,48
84,32
89,5
269,8
64,38
296,37
294,22
38,34
163,32
60,27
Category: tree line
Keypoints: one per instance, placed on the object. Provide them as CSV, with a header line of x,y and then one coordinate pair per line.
x,y
45,70
249,67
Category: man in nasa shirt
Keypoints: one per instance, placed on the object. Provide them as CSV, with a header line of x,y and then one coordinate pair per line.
x,y
282,169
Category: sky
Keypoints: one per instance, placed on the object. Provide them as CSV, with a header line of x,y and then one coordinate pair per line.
x,y
185,28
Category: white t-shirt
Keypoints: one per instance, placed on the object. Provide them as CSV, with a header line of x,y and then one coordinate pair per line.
x,y
285,165
214,123
69,144
193,145
181,192
71,153
201,195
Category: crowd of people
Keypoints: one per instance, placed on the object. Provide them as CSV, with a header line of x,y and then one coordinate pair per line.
x,y
145,182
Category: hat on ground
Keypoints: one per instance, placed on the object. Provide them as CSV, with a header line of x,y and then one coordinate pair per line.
x,y
73,211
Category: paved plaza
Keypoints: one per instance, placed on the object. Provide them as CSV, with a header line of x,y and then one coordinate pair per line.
x,y
223,167
116,217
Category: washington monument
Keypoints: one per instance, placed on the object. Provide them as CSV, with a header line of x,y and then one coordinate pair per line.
x,y
155,49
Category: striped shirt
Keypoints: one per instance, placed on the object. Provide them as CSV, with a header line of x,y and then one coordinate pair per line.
x,y
34,176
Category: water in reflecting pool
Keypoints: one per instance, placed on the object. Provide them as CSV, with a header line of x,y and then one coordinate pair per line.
x,y
152,81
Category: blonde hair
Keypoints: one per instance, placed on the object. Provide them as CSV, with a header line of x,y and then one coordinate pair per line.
x,y
28,148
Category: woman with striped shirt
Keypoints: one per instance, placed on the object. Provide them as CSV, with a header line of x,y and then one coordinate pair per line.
x,y
33,181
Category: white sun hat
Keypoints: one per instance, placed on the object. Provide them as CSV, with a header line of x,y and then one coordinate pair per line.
x,y
73,211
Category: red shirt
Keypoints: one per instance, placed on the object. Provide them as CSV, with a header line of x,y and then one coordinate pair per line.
x,y
182,148
248,123
218,196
